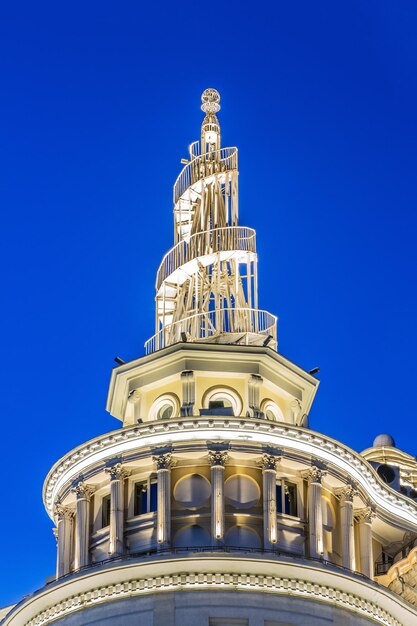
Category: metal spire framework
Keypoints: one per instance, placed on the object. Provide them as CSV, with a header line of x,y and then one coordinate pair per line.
x,y
207,284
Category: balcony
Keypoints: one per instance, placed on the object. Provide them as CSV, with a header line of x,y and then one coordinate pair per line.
x,y
235,323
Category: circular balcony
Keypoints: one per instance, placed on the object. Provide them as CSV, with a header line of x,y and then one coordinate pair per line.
x,y
183,259
203,166
223,325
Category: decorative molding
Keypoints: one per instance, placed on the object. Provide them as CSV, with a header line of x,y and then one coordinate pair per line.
x,y
64,512
346,493
365,515
314,474
117,472
218,457
296,587
83,491
144,438
163,461
269,461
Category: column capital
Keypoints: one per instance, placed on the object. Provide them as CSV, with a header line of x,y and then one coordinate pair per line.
x,y
163,461
314,474
117,472
269,461
63,512
83,491
218,457
365,515
346,493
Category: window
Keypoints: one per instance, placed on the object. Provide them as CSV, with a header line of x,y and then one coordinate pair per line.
x,y
287,498
105,511
164,407
145,497
272,411
223,397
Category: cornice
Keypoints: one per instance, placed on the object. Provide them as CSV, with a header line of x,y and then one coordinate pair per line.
x,y
279,577
144,438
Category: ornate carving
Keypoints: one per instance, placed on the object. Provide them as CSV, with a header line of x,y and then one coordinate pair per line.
x,y
357,604
270,461
314,475
163,461
83,491
63,512
346,493
117,472
218,457
365,515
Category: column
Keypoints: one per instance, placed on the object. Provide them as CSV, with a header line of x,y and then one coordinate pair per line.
x,y
188,393
315,516
163,467
65,517
218,459
117,476
82,524
345,495
269,475
254,386
364,518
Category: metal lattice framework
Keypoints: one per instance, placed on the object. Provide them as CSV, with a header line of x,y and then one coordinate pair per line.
x,y
207,284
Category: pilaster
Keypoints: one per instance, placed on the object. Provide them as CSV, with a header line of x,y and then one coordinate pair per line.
x,y
217,459
269,476
163,468
314,476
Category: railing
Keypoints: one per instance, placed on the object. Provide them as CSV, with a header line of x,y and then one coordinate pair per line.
x,y
161,552
223,160
214,323
382,567
226,238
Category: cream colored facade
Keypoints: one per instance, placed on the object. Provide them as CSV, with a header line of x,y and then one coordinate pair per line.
x,y
214,503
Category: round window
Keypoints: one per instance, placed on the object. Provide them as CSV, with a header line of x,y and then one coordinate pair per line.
x,y
272,411
223,397
164,407
165,412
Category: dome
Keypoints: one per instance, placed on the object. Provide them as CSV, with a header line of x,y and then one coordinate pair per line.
x,y
384,440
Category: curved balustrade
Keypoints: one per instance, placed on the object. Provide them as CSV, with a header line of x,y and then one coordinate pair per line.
x,y
223,160
214,323
227,238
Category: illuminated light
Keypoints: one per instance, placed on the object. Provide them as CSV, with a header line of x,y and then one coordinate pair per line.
x,y
314,447
211,136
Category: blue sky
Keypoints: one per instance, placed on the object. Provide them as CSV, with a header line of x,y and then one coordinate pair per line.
x,y
99,102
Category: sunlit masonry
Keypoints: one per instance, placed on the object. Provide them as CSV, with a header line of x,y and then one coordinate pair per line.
x,y
214,504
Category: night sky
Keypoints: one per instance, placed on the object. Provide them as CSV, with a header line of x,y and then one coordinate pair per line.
x,y
99,101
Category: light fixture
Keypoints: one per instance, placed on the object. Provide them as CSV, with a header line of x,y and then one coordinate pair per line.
x,y
183,336
315,370
268,340
119,360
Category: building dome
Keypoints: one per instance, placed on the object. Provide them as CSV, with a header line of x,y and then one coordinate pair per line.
x,y
384,440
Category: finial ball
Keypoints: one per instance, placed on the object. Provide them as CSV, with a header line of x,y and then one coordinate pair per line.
x,y
384,440
210,99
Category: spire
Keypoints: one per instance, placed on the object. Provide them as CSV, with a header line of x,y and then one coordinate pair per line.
x,y
207,284
210,128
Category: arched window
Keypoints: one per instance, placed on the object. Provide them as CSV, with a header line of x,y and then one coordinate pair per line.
x,y
164,407
272,411
227,396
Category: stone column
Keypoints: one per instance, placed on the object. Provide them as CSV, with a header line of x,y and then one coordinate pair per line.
x,y
364,518
163,466
254,386
269,475
217,459
65,517
117,476
345,495
315,516
82,524
188,393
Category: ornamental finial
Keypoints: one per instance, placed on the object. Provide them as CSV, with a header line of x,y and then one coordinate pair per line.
x,y
210,99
